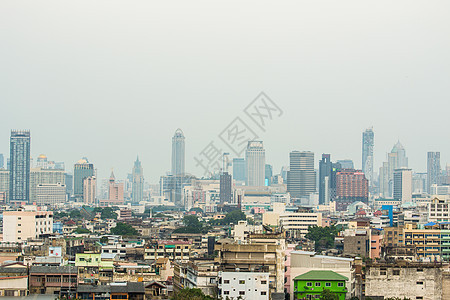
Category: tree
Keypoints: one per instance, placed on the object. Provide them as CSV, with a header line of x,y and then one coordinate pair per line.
x,y
108,213
328,295
81,230
232,217
75,214
192,225
124,229
191,294
322,236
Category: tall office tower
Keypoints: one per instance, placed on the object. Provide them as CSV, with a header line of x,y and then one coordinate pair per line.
x,y
81,170
301,177
137,188
401,159
2,161
403,185
447,174
239,166
89,190
433,169
255,156
384,180
115,191
327,179
268,173
419,182
367,154
4,186
19,176
346,163
178,156
351,186
39,176
226,194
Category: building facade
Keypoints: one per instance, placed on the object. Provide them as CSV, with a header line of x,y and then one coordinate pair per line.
x,y
255,157
433,169
301,177
137,188
82,169
367,153
178,153
19,180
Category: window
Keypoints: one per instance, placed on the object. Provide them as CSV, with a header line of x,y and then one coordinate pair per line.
x,y
241,292
419,297
419,270
263,293
340,284
241,281
396,272
9,293
419,282
309,284
382,272
226,281
263,282
226,292
328,284
317,283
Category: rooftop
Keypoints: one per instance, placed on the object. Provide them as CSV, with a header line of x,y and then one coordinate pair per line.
x,y
321,275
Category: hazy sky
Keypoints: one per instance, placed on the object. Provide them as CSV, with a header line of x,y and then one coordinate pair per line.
x,y
113,79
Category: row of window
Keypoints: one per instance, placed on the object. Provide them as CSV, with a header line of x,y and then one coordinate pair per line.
x,y
327,284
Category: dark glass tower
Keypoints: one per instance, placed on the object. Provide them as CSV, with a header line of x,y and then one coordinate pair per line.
x,y
81,170
327,179
19,180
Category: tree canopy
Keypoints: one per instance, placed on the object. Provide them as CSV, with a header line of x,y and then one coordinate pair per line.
x,y
192,225
232,217
322,236
81,230
328,295
124,229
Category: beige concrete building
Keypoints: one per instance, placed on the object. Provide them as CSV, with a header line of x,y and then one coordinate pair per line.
x,y
262,253
50,194
411,280
89,190
40,176
22,225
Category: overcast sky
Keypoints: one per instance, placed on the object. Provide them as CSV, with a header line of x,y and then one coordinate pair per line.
x,y
113,79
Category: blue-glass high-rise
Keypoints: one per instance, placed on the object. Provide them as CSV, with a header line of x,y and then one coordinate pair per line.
x,y
19,180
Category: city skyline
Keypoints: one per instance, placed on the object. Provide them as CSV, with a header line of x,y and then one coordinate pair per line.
x,y
342,81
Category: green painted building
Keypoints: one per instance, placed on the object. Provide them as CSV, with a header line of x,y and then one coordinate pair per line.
x,y
311,284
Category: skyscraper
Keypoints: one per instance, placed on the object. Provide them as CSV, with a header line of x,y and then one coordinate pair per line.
x,y
403,185
81,170
226,194
327,179
401,159
178,153
255,156
89,190
301,177
115,191
239,166
19,180
268,173
2,161
433,169
351,186
367,154
346,163
137,188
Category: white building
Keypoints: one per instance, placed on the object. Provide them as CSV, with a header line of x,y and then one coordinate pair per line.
x,y
403,185
246,285
255,157
50,194
438,210
21,225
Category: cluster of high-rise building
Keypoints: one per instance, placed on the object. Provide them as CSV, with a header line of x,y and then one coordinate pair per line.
x,y
252,239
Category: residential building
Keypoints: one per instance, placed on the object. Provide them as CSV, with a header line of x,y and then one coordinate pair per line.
x,y
19,180
174,250
243,285
51,280
255,157
13,280
304,261
439,210
262,253
196,273
94,268
357,242
311,284
404,280
116,290
4,185
20,225
115,194
178,153
301,177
